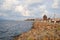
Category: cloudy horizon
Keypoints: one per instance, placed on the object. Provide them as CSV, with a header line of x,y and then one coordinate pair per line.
x,y
22,9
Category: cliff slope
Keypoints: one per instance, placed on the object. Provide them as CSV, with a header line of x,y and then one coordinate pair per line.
x,y
41,31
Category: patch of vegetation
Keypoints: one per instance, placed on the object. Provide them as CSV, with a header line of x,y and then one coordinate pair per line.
x,y
58,28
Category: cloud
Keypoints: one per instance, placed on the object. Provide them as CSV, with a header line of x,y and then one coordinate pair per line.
x,y
26,13
55,4
8,4
43,10
45,13
34,1
15,9
19,8
2,14
22,10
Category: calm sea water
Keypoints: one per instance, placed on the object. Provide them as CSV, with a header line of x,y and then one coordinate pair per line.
x,y
8,29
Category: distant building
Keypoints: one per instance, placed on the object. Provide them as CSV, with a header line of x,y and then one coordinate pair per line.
x,y
56,20
36,19
30,20
44,17
49,19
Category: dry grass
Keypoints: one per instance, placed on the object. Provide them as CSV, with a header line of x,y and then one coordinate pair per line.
x,y
41,31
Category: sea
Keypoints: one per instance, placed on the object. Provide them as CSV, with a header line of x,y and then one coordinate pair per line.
x,y
9,29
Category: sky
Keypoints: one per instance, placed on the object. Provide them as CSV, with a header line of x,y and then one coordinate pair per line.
x,y
23,9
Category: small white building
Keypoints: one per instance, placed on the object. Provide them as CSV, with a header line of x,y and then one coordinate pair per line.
x,y
56,20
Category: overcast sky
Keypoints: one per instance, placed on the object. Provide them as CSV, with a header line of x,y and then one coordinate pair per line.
x,y
22,9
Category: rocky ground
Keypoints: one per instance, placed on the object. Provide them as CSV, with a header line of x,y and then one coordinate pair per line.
x,y
41,31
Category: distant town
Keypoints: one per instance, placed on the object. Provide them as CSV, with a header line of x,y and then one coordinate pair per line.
x,y
45,19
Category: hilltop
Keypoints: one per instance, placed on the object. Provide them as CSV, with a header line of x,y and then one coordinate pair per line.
x,y
41,31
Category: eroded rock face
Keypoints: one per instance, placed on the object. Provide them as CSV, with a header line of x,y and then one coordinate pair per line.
x,y
41,31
